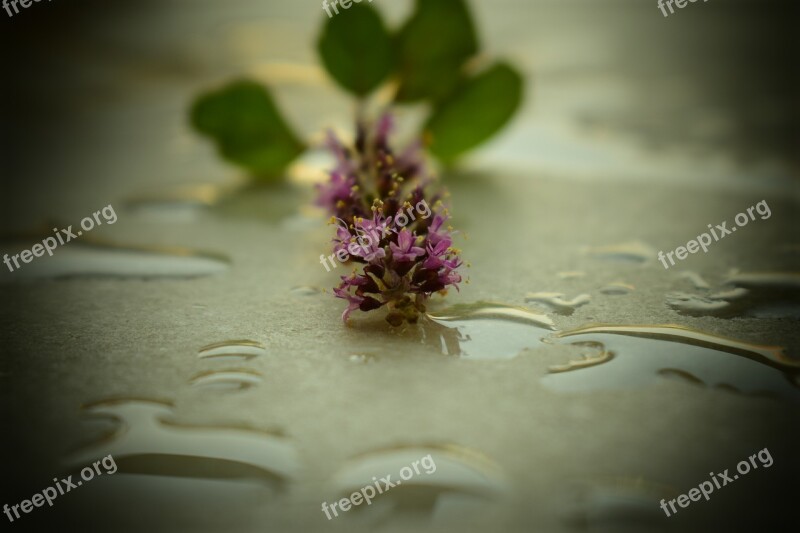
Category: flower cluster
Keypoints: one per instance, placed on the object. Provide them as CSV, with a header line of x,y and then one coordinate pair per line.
x,y
375,198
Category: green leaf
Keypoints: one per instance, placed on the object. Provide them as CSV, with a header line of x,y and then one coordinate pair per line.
x,y
478,109
356,48
432,47
247,127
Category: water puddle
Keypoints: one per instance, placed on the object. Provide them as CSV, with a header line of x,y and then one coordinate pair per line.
x,y
148,442
101,259
614,505
556,302
453,482
227,380
620,357
753,295
177,469
490,331
624,357
239,349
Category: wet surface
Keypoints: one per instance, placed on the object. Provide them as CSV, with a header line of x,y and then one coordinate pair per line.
x,y
111,260
490,331
642,353
446,482
756,295
147,440
270,406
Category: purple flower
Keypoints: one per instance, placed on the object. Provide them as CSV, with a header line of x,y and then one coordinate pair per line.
x,y
369,192
435,231
353,301
405,250
435,254
339,189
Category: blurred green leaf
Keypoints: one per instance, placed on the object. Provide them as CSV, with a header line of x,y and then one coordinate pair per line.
x,y
478,109
247,127
356,49
432,47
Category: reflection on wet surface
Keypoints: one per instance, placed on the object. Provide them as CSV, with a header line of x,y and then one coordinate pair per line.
x,y
238,349
619,357
642,353
557,302
491,331
147,441
228,380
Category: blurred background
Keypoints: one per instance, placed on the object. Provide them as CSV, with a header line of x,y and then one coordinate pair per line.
x,y
192,339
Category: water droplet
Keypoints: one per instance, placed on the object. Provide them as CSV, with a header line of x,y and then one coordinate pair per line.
x,y
101,259
490,331
641,353
306,290
453,482
361,358
629,252
556,301
617,288
229,380
614,504
693,305
572,274
242,349
756,295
